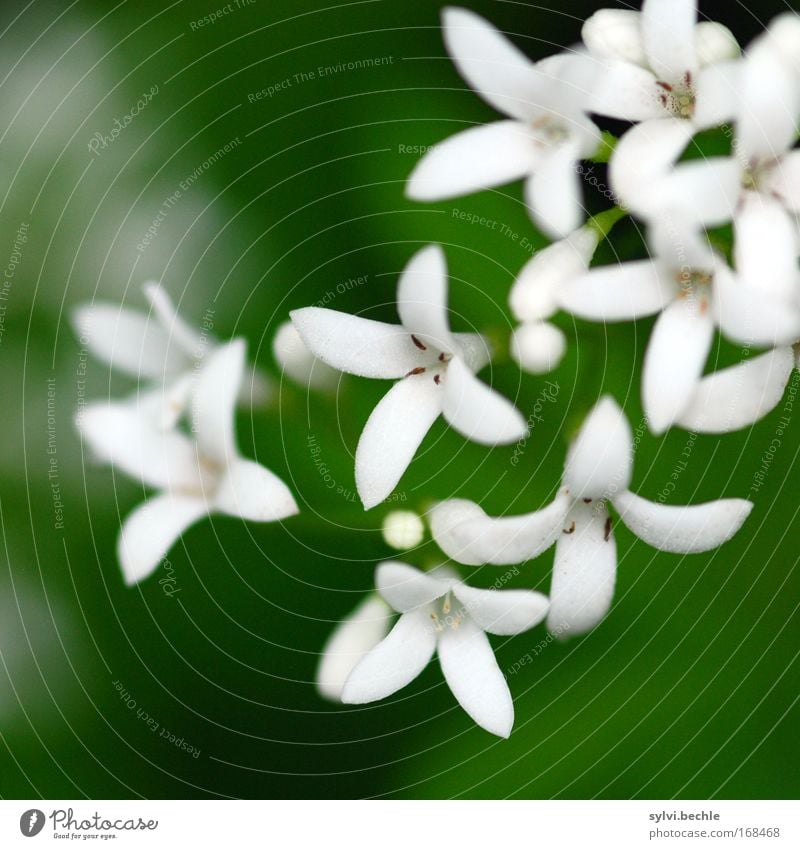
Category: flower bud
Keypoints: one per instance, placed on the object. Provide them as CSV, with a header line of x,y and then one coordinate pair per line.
x,y
403,529
298,362
538,347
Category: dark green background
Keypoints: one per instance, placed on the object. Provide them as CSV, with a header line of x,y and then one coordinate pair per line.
x,y
689,687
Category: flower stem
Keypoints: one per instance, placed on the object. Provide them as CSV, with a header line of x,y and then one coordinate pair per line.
x,y
603,222
603,153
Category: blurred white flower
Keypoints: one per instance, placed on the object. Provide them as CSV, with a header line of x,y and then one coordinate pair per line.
x,y
547,134
298,362
349,642
437,368
195,477
402,529
156,346
441,614
598,469
694,291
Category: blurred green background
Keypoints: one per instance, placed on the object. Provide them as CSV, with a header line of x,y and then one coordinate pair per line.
x,y
688,689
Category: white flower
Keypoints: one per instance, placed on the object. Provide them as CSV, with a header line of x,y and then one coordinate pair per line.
x,y
694,291
437,370
350,641
598,469
298,362
195,477
661,64
156,346
537,345
547,134
440,614
402,529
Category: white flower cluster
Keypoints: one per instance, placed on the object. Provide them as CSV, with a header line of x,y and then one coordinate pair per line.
x,y
669,77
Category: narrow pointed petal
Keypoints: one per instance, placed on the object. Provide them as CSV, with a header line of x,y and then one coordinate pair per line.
x,y
615,34
151,530
668,28
703,191
626,92
359,346
766,247
472,673
128,340
621,292
405,587
740,395
392,435
179,333
251,492
600,459
464,532
503,612
349,643
214,402
584,572
476,411
683,530
422,299
785,182
749,317
128,438
673,364
473,160
395,662
717,94
499,72
553,193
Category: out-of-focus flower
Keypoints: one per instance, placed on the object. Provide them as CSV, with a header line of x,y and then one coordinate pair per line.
x,y
547,134
298,362
403,529
441,614
598,470
437,368
195,477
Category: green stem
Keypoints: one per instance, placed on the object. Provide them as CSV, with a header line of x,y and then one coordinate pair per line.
x,y
604,222
607,144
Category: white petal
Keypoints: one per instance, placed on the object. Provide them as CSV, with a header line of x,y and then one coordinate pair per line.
x,y
668,27
392,435
584,572
673,364
644,155
179,333
350,641
534,295
405,587
253,493
396,661
359,345
151,530
626,92
214,402
473,675
683,530
476,411
704,192
746,316
717,94
620,292
491,64
600,459
464,532
473,160
298,362
538,347
714,43
128,340
738,396
422,299
503,612
130,439
766,248
553,192
615,34
785,180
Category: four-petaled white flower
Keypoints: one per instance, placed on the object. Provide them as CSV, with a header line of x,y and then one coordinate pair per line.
x,y
598,470
695,291
546,136
441,614
195,476
437,368
158,347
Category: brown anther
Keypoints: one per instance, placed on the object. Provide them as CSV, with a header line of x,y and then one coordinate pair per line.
x,y
607,533
437,379
587,500
418,343
571,529
662,99
442,357
665,86
688,79
417,370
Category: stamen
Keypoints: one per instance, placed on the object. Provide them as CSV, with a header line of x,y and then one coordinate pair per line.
x,y
665,86
442,357
437,379
446,605
607,533
418,343
571,529
417,370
